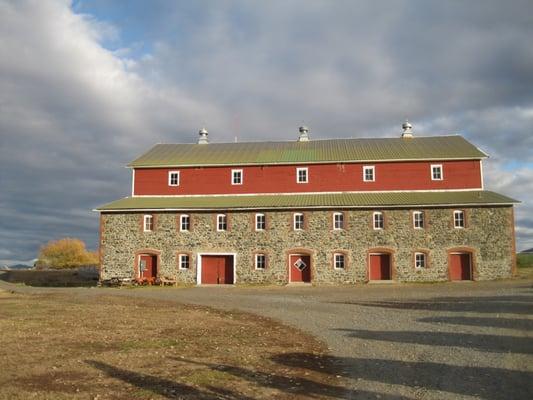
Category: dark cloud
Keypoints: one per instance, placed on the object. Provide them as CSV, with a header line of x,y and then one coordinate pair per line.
x,y
78,100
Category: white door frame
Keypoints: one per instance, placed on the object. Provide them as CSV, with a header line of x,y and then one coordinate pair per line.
x,y
199,265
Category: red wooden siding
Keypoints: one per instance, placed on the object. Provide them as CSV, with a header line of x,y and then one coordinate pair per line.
x,y
322,177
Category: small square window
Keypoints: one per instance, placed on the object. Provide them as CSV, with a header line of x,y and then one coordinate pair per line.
x,y
260,222
260,261
173,178
378,220
420,260
148,223
302,175
222,222
459,219
338,221
369,174
436,172
185,223
340,260
418,219
184,261
236,176
298,222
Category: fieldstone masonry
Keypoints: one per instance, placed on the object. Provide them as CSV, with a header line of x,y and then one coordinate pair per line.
x,y
488,233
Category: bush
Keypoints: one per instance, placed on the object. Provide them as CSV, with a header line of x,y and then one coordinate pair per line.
x,y
66,253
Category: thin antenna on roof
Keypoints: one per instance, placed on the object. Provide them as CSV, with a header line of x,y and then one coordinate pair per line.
x,y
236,126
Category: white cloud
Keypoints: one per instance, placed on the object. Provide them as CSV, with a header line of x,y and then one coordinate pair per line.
x,y
73,112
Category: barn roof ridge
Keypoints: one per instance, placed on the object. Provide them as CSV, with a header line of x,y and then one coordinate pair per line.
x,y
312,151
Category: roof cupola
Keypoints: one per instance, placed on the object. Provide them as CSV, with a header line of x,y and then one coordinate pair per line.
x,y
304,134
407,129
203,136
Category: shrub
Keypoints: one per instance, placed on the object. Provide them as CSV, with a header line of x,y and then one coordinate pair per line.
x,y
66,253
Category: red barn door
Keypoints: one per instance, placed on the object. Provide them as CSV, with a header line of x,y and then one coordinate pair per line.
x,y
300,268
460,267
217,269
380,267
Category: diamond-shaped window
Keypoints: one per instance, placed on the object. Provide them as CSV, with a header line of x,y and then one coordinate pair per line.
x,y
300,264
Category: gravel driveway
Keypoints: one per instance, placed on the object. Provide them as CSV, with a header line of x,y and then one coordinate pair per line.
x,y
434,341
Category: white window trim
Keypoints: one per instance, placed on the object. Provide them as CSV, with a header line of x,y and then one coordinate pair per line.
x,y
259,215
306,169
335,261
374,220
218,222
418,253
181,261
369,167
170,173
423,219
334,215
182,216
464,219
294,221
256,261
145,217
441,172
233,171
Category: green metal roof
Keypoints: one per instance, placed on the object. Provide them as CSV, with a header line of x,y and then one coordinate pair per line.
x,y
313,151
324,200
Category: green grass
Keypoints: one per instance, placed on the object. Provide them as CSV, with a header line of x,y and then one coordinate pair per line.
x,y
524,260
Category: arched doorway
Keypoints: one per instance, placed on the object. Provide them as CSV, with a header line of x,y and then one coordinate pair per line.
x,y
146,265
379,265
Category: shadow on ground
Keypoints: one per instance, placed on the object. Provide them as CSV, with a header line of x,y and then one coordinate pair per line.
x,y
486,322
520,304
487,383
490,343
287,386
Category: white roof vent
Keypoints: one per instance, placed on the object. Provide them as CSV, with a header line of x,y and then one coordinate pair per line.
x,y
407,129
203,136
304,134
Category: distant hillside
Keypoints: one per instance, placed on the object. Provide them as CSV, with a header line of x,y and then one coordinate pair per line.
x,y
527,251
16,266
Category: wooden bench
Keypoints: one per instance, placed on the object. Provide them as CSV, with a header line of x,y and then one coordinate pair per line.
x,y
167,281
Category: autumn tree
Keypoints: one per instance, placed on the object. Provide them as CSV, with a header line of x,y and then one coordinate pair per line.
x,y
66,253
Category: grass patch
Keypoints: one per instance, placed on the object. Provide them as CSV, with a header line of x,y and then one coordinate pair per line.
x,y
56,346
524,260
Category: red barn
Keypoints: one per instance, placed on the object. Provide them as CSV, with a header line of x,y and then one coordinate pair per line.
x,y
317,211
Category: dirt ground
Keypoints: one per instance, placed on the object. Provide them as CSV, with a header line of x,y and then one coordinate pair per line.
x,y
63,346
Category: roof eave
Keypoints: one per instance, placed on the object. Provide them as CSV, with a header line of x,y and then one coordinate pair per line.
x,y
131,165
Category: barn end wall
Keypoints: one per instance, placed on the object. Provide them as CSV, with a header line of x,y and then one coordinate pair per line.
x,y
488,232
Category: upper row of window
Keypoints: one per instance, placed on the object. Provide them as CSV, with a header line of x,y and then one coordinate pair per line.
x,y
302,175
298,222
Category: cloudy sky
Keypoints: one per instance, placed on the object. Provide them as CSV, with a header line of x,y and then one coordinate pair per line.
x,y
86,86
